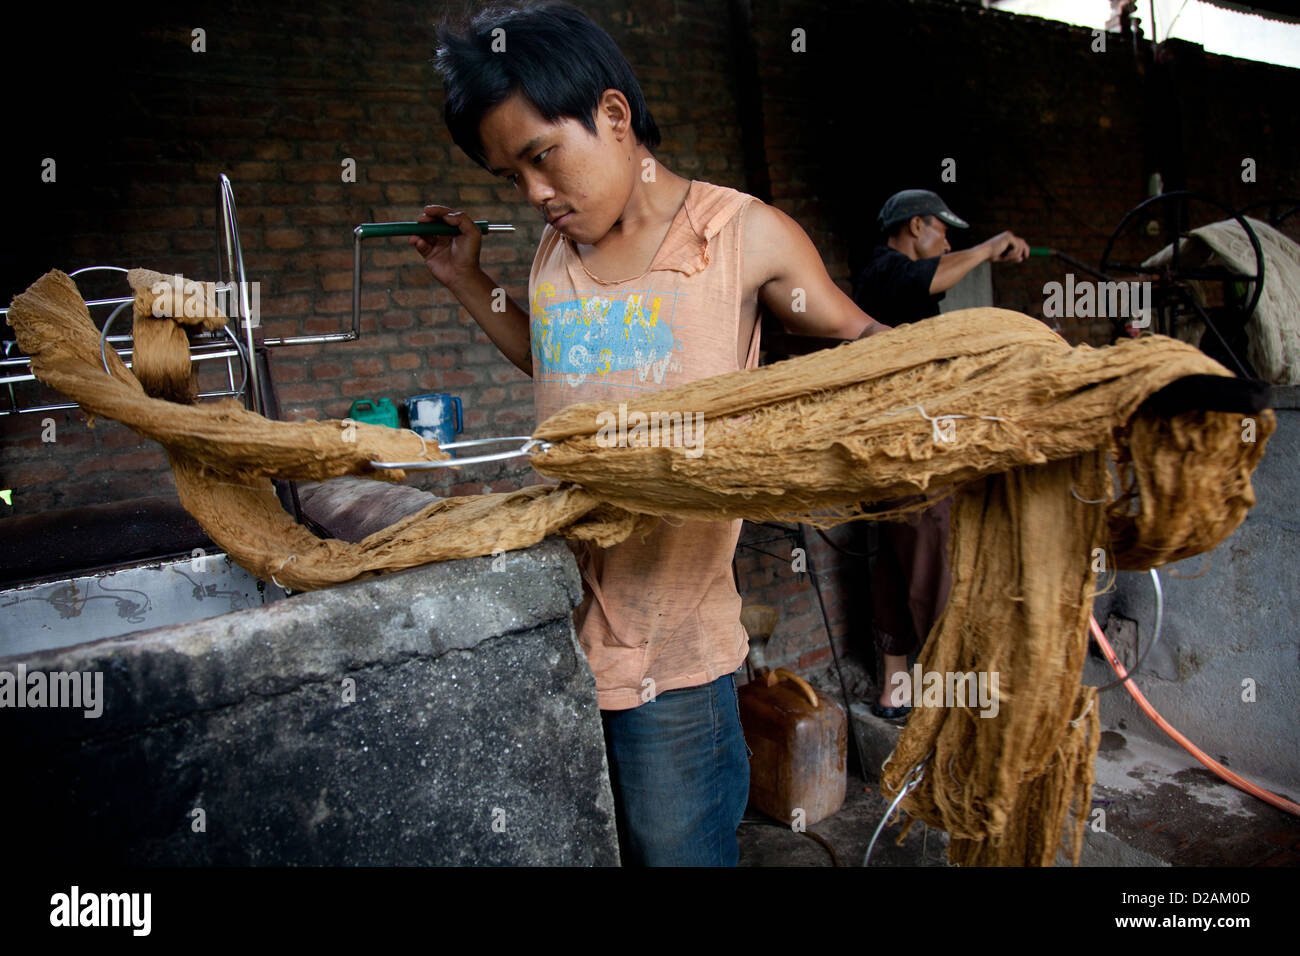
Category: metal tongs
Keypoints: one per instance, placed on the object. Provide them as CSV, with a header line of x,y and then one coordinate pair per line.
x,y
529,446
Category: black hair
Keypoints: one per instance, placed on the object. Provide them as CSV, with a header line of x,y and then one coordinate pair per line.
x,y
554,55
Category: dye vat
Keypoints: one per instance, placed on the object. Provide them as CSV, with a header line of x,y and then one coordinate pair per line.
x,y
440,715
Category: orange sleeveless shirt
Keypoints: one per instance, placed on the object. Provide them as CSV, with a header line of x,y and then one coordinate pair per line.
x,y
659,612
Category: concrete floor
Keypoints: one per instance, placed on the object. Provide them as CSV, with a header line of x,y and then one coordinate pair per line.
x,y
764,842
1160,808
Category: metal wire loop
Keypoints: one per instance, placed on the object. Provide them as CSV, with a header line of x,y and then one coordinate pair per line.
x,y
1155,638
911,783
1088,501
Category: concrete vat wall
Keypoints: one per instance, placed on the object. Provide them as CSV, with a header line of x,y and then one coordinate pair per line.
x,y
441,715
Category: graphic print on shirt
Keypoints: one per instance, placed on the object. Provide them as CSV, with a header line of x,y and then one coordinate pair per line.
x,y
588,337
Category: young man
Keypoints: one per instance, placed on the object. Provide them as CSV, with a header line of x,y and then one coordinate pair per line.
x,y
903,282
643,280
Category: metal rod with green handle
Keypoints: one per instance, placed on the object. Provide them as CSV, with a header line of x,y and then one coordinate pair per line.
x,y
383,230
1036,252
379,230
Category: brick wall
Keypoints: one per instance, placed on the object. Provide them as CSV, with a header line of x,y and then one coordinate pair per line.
x,y
283,94
1047,135
1048,139
776,567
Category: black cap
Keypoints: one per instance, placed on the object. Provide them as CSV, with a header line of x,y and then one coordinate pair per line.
x,y
901,207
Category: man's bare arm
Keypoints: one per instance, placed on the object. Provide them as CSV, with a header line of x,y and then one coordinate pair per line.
x,y
508,330
793,282
953,266
454,261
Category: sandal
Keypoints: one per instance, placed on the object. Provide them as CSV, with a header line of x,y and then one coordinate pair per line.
x,y
890,713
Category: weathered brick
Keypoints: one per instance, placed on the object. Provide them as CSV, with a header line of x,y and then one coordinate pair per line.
x,y
283,238
30,473
306,392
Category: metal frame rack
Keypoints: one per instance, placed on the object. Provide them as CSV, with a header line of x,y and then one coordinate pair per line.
x,y
232,289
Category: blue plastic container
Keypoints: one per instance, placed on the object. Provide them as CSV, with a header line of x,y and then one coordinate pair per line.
x,y
437,415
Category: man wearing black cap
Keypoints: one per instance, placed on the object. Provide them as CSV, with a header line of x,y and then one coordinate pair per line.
x,y
904,279
903,282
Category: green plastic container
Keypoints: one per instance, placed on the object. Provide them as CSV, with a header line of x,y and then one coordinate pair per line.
x,y
375,411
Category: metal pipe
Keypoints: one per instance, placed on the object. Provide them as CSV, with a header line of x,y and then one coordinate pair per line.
x,y
228,234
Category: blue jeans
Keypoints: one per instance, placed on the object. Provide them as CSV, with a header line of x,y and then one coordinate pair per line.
x,y
679,768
